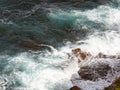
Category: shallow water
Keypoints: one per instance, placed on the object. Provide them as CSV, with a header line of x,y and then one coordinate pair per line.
x,y
61,26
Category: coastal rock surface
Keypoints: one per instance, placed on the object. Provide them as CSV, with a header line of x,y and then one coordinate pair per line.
x,y
114,86
31,45
75,88
94,72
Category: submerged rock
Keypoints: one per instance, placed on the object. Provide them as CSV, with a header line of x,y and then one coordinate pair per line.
x,y
75,88
94,72
114,86
31,44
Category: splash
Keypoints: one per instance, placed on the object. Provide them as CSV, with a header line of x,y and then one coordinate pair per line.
x,y
45,70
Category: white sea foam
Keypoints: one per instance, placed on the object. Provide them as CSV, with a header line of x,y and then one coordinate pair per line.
x,y
53,70
106,41
47,72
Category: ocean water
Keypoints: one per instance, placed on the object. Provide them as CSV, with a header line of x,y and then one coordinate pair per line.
x,y
61,27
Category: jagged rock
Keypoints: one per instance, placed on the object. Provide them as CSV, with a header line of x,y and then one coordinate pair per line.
x,y
114,86
75,88
94,72
81,55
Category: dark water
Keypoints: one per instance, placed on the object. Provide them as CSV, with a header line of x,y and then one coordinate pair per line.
x,y
58,24
26,20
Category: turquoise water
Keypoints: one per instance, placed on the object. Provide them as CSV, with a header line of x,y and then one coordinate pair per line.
x,y
61,26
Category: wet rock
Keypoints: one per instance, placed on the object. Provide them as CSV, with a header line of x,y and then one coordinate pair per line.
x,y
114,86
31,44
81,55
75,88
94,72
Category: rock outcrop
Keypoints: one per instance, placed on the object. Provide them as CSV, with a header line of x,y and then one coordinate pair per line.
x,y
94,72
114,86
31,45
75,88
81,55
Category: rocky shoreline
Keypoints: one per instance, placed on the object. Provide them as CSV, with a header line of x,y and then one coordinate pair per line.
x,y
114,86
97,71
91,72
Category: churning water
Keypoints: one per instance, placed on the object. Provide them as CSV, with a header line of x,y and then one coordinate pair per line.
x,y
62,27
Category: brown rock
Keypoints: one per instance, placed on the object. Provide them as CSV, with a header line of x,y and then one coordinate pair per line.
x,y
81,55
114,86
75,88
76,50
94,72
31,44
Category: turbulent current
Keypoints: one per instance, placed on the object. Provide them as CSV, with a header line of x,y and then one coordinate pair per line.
x,y
60,27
